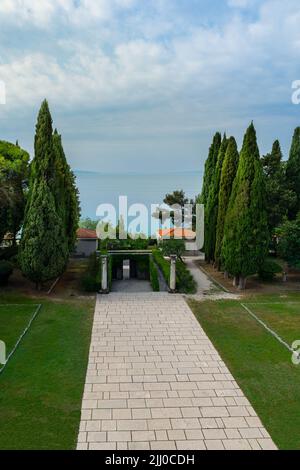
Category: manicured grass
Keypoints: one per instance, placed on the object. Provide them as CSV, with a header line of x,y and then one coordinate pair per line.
x,y
281,317
13,321
41,387
260,364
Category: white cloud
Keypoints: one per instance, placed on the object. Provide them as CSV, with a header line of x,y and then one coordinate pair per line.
x,y
41,13
242,60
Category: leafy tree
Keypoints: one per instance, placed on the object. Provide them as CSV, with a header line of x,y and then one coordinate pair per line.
x,y
88,223
44,245
210,165
177,216
289,242
293,172
228,175
66,193
279,199
173,247
211,209
13,176
246,231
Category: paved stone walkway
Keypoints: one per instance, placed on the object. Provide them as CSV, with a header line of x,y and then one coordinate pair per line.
x,y
155,381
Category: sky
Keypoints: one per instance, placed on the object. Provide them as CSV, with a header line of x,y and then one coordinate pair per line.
x,y
142,85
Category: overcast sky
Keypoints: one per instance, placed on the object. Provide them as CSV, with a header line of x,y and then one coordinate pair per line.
x,y
142,85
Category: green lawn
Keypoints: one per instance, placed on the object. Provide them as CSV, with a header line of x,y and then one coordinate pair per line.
x,y
260,364
281,317
42,385
13,321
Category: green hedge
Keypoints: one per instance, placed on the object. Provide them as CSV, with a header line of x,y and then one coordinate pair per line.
x,y
163,264
185,283
153,275
91,280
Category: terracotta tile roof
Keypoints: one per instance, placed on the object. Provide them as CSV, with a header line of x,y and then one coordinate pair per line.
x,y
177,233
84,233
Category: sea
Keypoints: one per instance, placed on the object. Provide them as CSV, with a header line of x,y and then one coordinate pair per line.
x,y
97,188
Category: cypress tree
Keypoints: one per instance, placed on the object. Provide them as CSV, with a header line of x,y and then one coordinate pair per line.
x,y
293,172
210,165
44,247
280,199
245,242
66,193
211,209
228,175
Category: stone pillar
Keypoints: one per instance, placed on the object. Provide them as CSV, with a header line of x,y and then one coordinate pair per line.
x,y
104,273
172,285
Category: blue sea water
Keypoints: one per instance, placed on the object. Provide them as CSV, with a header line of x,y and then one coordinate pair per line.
x,y
99,188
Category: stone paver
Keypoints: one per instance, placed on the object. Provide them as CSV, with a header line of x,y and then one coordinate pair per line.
x,y
156,382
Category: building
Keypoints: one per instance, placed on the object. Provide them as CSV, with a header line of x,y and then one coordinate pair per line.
x,y
87,242
189,237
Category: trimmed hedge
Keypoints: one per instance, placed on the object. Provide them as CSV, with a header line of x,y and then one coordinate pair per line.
x,y
185,283
6,270
163,264
91,280
153,275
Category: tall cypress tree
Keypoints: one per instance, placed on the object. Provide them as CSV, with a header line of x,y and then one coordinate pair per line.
x,y
66,193
228,175
293,172
280,199
210,165
246,230
44,247
211,209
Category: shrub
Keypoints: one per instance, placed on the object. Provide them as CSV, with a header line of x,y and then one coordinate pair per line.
x,y
6,270
163,264
269,270
153,275
185,282
91,279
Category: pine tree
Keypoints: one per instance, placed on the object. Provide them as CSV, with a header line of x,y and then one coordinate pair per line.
x,y
228,175
44,245
279,198
246,231
210,165
211,209
293,172
66,193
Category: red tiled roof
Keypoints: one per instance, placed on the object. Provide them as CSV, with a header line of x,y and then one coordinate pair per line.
x,y
177,233
83,233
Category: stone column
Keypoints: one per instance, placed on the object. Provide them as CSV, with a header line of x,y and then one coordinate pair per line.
x,y
104,272
172,286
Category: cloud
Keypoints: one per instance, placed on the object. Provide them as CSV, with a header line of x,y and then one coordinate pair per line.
x,y
237,59
41,13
